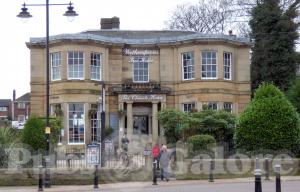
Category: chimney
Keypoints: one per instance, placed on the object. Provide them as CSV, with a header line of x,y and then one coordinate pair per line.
x,y
14,95
110,23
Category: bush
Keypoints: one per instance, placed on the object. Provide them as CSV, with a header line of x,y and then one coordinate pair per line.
x,y
33,133
269,123
173,122
200,143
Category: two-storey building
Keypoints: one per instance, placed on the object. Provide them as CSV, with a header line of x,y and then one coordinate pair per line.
x,y
142,72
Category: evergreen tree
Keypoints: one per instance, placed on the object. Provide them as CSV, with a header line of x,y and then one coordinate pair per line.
x,y
269,123
274,32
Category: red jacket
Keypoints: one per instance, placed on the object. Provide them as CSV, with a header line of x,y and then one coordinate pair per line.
x,y
155,151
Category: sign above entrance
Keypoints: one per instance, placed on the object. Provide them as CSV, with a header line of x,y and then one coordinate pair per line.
x,y
142,97
132,52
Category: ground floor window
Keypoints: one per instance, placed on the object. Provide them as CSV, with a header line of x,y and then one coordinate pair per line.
x,y
210,105
95,123
188,107
76,122
228,107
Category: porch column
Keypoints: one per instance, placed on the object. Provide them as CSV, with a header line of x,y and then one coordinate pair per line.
x,y
129,121
121,124
154,123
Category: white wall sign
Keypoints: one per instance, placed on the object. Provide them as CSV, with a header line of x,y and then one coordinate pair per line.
x,y
135,97
131,52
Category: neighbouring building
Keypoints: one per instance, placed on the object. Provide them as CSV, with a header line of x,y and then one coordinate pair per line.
x,y
142,72
20,110
5,108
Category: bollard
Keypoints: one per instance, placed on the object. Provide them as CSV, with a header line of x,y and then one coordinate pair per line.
x,y
267,169
278,181
258,180
96,177
154,172
40,179
211,174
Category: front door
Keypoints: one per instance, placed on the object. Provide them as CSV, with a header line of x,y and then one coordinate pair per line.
x,y
141,124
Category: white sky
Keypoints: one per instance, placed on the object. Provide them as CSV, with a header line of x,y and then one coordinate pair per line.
x,y
15,61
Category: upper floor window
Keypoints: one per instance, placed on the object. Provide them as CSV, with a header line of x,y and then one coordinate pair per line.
x,y
227,65
76,123
75,65
228,107
140,68
21,105
188,65
96,66
209,65
188,107
55,61
3,108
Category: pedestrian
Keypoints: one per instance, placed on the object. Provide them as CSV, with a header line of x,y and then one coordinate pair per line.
x,y
164,160
155,154
125,142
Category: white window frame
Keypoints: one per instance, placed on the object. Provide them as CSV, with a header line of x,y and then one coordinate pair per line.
x,y
55,62
78,63
95,123
226,109
3,109
190,66
140,59
210,64
191,105
21,117
96,66
227,64
21,105
209,104
82,119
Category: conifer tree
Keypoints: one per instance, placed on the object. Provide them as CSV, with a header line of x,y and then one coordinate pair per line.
x,y
274,31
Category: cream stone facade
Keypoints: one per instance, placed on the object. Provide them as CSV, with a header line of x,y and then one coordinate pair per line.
x,y
143,73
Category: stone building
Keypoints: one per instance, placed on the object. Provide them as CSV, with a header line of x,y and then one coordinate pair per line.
x,y
140,73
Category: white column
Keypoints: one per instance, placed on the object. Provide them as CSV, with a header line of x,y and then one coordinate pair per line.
x,y
121,124
129,121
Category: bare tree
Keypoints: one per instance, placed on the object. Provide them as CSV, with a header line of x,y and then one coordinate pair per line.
x,y
208,16
217,16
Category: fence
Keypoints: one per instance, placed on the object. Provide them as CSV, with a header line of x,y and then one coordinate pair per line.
x,y
76,158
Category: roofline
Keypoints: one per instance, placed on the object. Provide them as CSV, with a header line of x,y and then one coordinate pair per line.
x,y
151,41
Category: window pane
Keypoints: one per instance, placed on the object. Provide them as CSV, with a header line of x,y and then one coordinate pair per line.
x,y
140,69
75,65
188,65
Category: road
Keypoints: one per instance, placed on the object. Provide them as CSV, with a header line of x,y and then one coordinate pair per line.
x,y
172,186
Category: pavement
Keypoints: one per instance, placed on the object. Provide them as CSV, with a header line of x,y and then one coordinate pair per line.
x,y
137,186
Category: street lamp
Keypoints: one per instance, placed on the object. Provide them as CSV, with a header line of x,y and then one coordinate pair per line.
x,y
24,14
100,136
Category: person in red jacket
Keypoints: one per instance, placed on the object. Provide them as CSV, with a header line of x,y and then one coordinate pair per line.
x,y
155,154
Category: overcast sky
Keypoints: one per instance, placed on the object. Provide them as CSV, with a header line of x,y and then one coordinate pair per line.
x,y
15,61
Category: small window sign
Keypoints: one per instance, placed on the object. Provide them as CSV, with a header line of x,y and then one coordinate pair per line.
x,y
93,154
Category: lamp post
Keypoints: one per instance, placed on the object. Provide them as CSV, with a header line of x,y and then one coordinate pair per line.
x,y
24,14
102,124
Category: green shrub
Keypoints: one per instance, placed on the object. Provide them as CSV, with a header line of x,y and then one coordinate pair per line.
x,y
269,123
173,122
33,133
200,143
